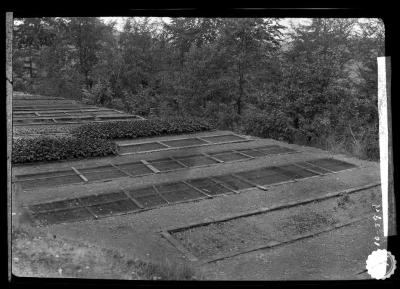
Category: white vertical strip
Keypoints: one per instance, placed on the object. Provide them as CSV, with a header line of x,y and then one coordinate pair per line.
x,y
383,139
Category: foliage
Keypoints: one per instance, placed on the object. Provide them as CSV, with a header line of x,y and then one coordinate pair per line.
x,y
45,148
275,125
141,128
311,80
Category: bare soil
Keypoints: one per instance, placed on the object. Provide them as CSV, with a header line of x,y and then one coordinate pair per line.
x,y
40,254
239,234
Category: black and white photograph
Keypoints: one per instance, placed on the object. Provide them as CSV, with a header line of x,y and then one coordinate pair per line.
x,y
180,147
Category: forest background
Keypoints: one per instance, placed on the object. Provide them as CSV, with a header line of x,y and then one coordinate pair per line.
x,y
312,83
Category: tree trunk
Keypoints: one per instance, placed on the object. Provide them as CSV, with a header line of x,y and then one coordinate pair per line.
x,y
30,67
239,100
30,64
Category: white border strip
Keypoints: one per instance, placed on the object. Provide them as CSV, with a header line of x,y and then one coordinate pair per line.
x,y
383,138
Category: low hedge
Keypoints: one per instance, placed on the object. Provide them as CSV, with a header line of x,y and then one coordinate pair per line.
x,y
141,128
48,148
43,129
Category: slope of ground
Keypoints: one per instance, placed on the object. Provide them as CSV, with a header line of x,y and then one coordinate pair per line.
x,y
303,205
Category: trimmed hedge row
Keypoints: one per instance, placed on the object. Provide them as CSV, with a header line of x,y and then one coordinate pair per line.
x,y
47,129
141,128
95,139
48,148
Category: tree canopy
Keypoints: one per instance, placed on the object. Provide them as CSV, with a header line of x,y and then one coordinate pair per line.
x,y
315,83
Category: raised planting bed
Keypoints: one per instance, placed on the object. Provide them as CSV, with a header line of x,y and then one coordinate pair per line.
x,y
143,167
136,199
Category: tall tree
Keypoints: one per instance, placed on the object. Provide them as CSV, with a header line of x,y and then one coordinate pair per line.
x,y
249,43
86,36
30,35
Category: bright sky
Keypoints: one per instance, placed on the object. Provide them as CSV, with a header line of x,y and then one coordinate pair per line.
x,y
120,21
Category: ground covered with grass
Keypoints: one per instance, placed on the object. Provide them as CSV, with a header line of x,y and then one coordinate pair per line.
x,y
38,254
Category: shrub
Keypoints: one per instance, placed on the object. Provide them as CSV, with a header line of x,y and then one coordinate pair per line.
x,y
370,143
100,93
46,148
274,125
141,128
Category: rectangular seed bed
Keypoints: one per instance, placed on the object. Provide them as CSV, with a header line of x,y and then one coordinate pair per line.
x,y
121,206
46,107
259,173
265,176
252,153
313,168
296,172
148,197
274,179
40,103
135,169
24,115
166,165
50,182
103,198
54,113
196,160
176,192
226,237
153,196
151,201
66,119
136,193
96,169
141,147
70,215
209,187
104,175
33,120
184,142
274,149
51,206
223,138
233,182
332,164
45,175
106,112
229,156
24,120
117,117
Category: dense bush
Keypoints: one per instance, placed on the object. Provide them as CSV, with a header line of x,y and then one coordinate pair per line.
x,y
370,143
141,128
59,148
274,125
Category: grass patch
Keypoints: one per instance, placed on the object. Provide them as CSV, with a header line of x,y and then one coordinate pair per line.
x,y
44,255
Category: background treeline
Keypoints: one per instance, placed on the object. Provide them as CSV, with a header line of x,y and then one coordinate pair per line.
x,y
313,83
